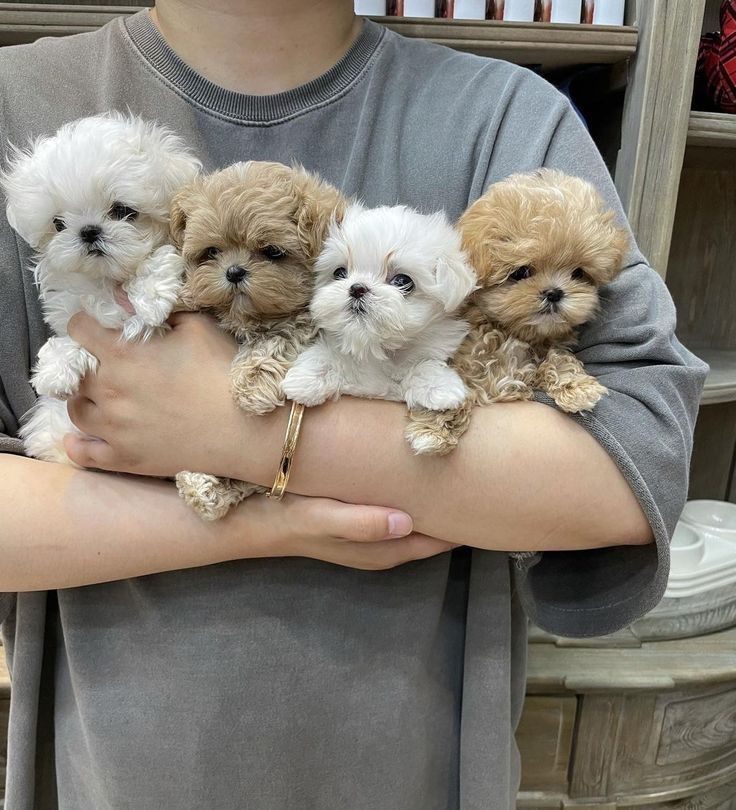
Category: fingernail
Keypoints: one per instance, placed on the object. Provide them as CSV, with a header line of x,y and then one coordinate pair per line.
x,y
399,524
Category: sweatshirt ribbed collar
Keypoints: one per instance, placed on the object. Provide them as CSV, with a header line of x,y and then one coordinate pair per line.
x,y
246,108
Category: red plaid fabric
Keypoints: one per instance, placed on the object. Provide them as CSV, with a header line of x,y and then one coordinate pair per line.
x,y
716,67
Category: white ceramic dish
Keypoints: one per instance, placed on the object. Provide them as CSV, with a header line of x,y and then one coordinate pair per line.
x,y
687,548
709,515
703,549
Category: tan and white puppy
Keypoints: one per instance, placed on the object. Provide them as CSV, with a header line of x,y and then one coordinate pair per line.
x,y
543,244
250,235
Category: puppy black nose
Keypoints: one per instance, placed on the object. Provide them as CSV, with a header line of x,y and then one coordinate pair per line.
x,y
235,273
90,233
553,296
358,290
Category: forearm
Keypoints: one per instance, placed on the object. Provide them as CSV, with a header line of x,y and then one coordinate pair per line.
x,y
63,527
524,477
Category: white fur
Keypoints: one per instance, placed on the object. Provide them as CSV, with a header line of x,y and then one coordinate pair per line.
x,y
397,347
77,175
44,428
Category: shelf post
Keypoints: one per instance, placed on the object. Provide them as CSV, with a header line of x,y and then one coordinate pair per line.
x,y
655,120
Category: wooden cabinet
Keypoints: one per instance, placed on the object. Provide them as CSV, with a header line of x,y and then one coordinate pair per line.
x,y
545,737
629,726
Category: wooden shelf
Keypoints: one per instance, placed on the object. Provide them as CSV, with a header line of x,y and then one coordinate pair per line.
x,y
721,383
702,660
715,130
550,45
546,44
25,22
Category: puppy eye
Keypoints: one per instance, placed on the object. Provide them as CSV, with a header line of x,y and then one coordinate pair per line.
x,y
341,272
121,211
59,224
578,274
521,273
403,282
208,254
272,252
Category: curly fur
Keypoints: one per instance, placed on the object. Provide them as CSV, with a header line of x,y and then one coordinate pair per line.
x,y
558,227
238,218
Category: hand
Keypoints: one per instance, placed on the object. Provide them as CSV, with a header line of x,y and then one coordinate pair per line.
x,y
158,407
372,538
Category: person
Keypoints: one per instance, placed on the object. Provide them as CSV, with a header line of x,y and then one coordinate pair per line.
x,y
360,644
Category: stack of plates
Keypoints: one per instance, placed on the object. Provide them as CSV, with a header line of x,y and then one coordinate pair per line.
x,y
703,549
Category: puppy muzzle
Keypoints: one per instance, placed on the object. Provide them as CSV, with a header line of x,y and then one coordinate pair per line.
x,y
236,273
552,301
90,237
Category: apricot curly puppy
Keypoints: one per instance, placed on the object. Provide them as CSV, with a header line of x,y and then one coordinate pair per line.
x,y
249,235
542,245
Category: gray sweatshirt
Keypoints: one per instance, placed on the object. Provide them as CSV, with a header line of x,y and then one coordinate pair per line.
x,y
291,683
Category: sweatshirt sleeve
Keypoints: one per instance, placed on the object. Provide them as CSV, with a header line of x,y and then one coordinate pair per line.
x,y
21,334
645,424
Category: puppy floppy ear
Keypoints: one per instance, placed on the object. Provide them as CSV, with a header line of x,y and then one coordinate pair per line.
x,y
454,277
12,221
612,255
318,205
180,205
20,183
455,280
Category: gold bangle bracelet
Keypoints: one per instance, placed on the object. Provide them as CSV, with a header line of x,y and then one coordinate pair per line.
x,y
292,435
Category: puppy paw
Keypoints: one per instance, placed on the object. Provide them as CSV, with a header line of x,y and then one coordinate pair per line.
x,y
136,329
256,389
437,397
61,365
434,386
49,381
155,290
580,396
211,497
307,387
43,430
425,441
444,399
154,311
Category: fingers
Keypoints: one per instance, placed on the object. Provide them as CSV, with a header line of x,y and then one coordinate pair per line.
x,y
362,524
387,554
82,412
391,553
87,332
181,317
95,454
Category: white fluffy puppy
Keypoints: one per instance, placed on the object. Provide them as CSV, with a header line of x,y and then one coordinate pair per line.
x,y
93,201
388,281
